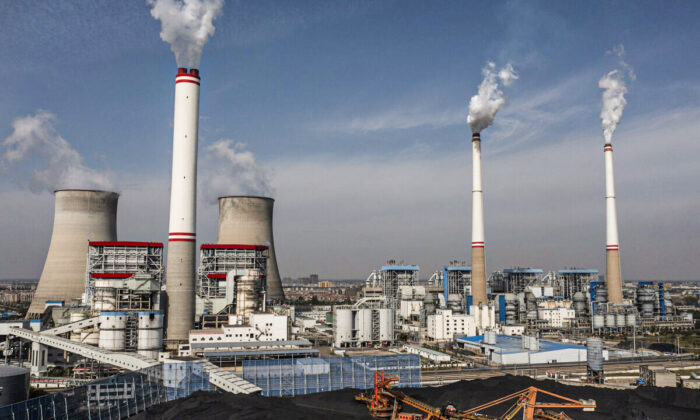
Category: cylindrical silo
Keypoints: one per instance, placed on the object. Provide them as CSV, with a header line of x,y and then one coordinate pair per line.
x,y
598,321
91,337
594,359
342,321
14,384
386,325
579,304
112,331
247,220
363,325
631,319
248,293
620,320
610,320
75,317
150,335
104,299
80,216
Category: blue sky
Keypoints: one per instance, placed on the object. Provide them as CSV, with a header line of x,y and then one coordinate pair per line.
x,y
356,112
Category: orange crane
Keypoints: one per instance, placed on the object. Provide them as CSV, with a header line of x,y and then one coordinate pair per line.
x,y
387,402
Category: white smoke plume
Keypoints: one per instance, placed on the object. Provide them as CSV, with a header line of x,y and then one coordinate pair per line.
x,y
231,170
186,25
614,85
40,159
484,105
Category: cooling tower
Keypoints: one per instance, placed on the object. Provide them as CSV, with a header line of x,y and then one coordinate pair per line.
x,y
247,220
478,261
183,194
612,254
80,216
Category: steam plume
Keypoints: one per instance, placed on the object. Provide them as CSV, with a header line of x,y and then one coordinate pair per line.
x,y
40,159
186,25
238,171
615,87
484,105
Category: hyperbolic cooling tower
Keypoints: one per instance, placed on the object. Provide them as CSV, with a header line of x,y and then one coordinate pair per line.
x,y
612,248
80,216
478,260
183,194
247,220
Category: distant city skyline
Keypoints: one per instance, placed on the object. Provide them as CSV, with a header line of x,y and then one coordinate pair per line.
x,y
352,115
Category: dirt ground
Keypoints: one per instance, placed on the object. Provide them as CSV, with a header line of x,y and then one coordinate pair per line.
x,y
641,403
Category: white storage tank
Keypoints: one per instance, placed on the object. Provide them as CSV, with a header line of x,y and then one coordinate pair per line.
x,y
363,325
150,338
386,325
112,335
631,319
490,337
104,299
75,317
342,318
610,320
594,354
620,320
91,337
248,296
598,321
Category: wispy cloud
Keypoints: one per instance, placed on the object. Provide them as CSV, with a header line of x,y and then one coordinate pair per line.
x,y
399,118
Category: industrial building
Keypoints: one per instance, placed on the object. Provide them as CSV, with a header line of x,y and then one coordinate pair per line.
x,y
523,350
444,325
517,279
362,325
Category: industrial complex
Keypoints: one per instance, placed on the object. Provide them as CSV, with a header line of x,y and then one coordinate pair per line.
x,y
118,325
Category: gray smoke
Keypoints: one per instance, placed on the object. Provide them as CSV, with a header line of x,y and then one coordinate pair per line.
x,y
614,88
186,25
41,160
484,105
231,170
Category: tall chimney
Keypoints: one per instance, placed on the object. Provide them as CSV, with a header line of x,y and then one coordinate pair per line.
x,y
183,194
80,216
612,253
478,261
247,220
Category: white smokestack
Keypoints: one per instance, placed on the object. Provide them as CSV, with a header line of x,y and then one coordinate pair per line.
x,y
613,104
186,25
183,195
482,110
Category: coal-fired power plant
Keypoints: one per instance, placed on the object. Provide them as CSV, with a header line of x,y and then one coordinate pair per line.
x,y
478,260
180,274
80,216
612,243
247,220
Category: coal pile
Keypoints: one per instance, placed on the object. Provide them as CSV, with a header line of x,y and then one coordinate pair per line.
x,y
641,403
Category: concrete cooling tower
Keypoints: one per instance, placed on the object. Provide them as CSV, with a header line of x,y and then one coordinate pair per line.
x,y
80,216
247,220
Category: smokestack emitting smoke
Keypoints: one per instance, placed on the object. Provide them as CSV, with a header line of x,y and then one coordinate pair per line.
x,y
40,159
613,105
187,26
482,110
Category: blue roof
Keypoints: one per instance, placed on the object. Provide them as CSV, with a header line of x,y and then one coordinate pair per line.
x,y
522,271
578,271
513,344
112,313
458,268
400,268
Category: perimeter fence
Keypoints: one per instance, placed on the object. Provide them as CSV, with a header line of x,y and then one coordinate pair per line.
x,y
309,375
116,397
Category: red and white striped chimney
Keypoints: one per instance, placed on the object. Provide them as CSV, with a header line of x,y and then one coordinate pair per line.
x,y
612,244
180,274
478,260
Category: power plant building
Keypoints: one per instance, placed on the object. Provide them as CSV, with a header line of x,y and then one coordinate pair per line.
x,y
523,350
517,279
575,280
